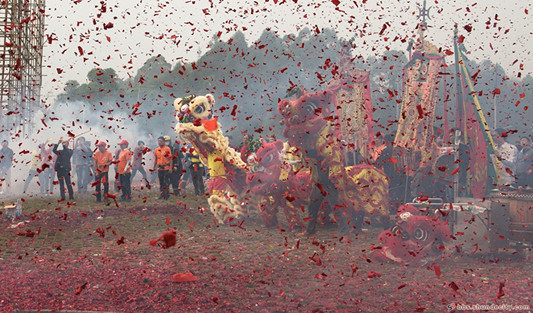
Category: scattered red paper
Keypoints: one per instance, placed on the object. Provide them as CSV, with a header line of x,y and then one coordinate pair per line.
x,y
500,291
184,278
437,270
168,239
80,289
373,274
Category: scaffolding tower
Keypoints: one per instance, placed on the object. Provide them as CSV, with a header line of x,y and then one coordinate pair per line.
x,y
21,48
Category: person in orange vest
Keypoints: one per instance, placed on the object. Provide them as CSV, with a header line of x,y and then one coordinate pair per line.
x,y
163,161
102,160
124,170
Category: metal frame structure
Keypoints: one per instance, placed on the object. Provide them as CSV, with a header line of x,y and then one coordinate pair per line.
x,y
21,48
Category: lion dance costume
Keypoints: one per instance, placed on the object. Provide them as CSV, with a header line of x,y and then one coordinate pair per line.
x,y
279,184
226,169
311,125
416,238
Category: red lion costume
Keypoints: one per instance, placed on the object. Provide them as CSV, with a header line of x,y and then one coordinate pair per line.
x,y
415,239
279,184
311,125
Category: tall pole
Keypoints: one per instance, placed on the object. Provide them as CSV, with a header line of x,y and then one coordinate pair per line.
x,y
495,106
459,118
423,13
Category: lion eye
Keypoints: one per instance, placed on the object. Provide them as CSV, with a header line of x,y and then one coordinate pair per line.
x,y
420,234
199,109
310,108
269,158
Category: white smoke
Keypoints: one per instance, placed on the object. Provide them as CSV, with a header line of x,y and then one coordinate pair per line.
x,y
64,120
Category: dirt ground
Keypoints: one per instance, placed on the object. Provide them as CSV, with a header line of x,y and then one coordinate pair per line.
x,y
89,257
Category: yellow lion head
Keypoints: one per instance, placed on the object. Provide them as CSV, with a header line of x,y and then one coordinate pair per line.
x,y
194,107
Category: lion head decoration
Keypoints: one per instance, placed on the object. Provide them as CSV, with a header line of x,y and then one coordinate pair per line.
x,y
415,239
194,108
268,167
306,116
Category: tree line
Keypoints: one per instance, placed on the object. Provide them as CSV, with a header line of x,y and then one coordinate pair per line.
x,y
248,79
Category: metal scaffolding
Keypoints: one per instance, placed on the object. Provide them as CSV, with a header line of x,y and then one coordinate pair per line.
x,y
21,47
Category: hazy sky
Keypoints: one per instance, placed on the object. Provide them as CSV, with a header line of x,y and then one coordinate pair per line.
x,y
181,30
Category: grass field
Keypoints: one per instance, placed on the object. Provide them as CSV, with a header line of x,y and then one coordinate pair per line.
x,y
92,257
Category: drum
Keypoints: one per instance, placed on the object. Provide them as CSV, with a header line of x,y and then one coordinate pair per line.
x,y
511,219
471,228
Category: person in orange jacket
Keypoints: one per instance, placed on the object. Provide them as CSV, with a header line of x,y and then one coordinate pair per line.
x,y
124,170
163,161
102,160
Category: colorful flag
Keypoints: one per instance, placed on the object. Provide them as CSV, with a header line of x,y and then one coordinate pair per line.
x,y
422,80
355,114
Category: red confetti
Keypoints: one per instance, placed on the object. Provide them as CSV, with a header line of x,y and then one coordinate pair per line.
x,y
80,289
420,111
454,286
373,274
500,291
233,110
437,270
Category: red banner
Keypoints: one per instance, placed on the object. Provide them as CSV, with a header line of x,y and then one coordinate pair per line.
x,y
477,174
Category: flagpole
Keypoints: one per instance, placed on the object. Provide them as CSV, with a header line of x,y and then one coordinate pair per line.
x,y
494,105
479,113
459,89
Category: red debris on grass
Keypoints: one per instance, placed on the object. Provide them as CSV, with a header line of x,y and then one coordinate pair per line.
x,y
168,240
184,278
